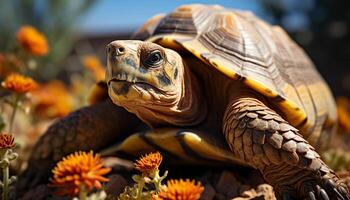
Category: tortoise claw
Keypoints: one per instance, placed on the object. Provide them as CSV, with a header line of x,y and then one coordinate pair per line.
x,y
327,190
342,190
338,194
312,195
329,184
337,191
324,195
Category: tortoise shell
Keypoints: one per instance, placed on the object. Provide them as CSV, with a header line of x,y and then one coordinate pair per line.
x,y
262,56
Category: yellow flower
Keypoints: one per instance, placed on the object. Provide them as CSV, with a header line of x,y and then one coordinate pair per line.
x,y
52,100
19,83
32,40
77,170
93,64
148,163
7,141
180,190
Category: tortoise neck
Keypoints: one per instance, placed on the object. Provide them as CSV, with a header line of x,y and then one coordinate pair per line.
x,y
192,104
186,108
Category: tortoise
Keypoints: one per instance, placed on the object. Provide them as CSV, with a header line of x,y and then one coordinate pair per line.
x,y
206,84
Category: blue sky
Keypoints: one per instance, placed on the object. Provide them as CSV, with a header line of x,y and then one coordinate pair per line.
x,y
108,16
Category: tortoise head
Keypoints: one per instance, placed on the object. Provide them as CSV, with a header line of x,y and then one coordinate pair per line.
x,y
142,71
146,79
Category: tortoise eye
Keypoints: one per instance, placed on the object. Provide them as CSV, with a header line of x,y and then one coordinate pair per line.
x,y
154,59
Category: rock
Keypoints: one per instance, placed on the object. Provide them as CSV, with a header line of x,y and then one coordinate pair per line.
x,y
116,185
228,185
247,194
208,193
267,191
263,191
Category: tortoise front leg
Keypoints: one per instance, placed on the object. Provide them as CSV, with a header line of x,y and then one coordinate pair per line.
x,y
90,128
262,138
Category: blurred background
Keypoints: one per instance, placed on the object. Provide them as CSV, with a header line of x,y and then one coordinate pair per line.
x,y
84,27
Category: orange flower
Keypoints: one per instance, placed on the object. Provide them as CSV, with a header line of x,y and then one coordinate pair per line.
x,y
148,163
19,83
180,189
32,40
52,100
93,64
77,170
7,141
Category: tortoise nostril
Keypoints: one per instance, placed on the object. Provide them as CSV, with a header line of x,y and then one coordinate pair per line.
x,y
115,49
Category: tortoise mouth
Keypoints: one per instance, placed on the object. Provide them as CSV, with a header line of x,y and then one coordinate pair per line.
x,y
121,84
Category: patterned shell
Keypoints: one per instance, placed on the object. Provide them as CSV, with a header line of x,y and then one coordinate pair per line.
x,y
262,56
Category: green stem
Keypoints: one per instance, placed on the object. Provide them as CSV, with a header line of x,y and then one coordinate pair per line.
x,y
14,109
5,181
83,193
140,186
158,182
157,179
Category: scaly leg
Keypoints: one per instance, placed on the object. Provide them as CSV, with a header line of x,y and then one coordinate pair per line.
x,y
90,128
262,138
